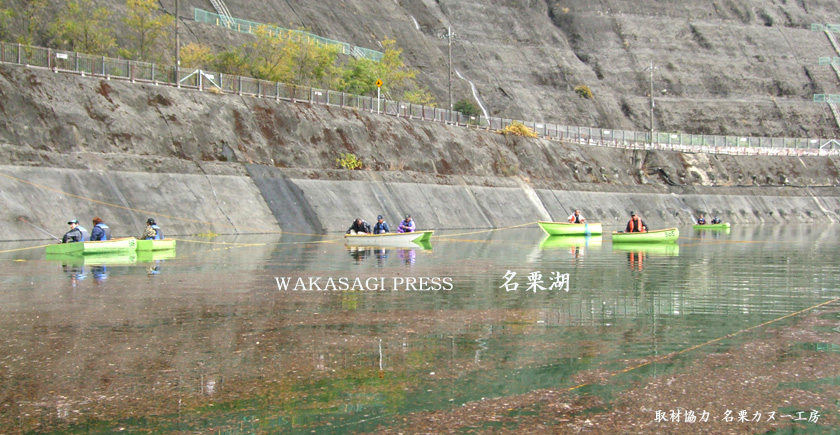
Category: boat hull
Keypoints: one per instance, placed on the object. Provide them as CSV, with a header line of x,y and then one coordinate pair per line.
x,y
568,229
669,235
657,249
571,241
147,256
100,247
396,240
720,226
155,245
104,258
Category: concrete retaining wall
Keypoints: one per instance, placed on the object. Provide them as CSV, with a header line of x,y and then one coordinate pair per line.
x,y
180,203
268,201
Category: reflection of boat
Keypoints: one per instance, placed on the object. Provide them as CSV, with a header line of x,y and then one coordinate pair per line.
x,y
571,241
659,236
397,240
99,247
147,256
720,226
155,245
569,229
118,257
666,249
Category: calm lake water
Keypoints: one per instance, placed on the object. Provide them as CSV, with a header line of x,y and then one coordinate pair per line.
x,y
203,340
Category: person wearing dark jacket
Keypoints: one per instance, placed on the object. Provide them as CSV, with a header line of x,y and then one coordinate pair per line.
x,y
636,224
100,230
75,234
381,227
359,227
152,231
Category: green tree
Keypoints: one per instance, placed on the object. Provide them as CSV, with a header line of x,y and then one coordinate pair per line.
x,y
196,56
25,20
84,28
358,77
395,74
5,15
420,96
466,108
231,61
148,31
312,62
270,55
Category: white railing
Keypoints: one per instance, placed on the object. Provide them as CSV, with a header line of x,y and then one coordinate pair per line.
x,y
224,13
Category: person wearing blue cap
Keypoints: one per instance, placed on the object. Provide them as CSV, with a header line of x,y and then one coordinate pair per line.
x,y
76,233
381,226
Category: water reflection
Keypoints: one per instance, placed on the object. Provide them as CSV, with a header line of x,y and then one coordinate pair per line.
x,y
75,270
214,338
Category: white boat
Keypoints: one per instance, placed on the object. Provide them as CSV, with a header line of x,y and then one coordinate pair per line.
x,y
389,240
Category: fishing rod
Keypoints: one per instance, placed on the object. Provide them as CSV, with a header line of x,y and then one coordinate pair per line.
x,y
39,228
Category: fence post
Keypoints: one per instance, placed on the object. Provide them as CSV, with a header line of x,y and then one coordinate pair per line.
x,y
103,65
20,60
49,58
276,91
130,71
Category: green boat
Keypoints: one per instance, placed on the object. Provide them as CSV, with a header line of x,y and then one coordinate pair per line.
x,y
149,256
656,249
102,258
99,247
155,245
669,235
720,226
571,241
569,229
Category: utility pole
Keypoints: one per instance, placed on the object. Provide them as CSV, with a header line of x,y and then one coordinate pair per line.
x,y
177,43
449,37
651,68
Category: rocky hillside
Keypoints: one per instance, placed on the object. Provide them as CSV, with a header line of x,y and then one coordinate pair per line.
x,y
720,66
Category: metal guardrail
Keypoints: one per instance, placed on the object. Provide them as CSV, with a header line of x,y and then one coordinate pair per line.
x,y
245,26
99,66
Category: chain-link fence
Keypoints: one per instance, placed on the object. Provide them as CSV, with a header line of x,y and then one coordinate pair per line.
x,y
245,26
98,66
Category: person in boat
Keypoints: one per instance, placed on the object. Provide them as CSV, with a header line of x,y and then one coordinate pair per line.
x,y
716,220
636,224
407,225
576,218
701,220
100,230
359,226
76,233
152,231
381,227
